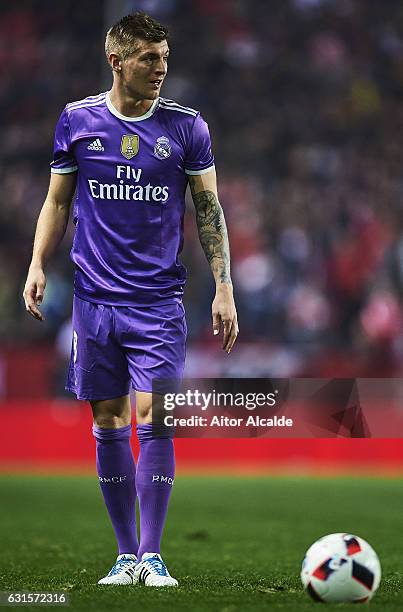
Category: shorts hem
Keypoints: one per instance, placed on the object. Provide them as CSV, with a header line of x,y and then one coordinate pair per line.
x,y
142,390
89,398
143,304
155,392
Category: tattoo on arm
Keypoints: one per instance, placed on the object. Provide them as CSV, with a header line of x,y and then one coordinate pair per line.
x,y
212,233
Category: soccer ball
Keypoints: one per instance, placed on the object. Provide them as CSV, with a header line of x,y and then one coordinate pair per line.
x,y
341,567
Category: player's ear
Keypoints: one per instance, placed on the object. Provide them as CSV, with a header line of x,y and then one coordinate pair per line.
x,y
115,62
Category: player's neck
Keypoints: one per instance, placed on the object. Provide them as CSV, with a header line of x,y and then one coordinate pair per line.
x,y
127,105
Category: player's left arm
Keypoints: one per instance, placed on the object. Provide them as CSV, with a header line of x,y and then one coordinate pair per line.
x,y
214,240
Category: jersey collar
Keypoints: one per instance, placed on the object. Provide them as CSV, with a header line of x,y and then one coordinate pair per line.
x,y
115,112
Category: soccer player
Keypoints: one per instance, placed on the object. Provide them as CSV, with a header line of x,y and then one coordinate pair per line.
x,y
130,154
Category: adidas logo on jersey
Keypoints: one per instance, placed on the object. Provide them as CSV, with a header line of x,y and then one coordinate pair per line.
x,y
96,146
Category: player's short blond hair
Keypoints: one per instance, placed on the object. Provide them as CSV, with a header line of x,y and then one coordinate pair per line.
x,y
123,37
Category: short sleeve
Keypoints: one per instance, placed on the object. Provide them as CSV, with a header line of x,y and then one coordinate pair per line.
x,y
63,159
199,157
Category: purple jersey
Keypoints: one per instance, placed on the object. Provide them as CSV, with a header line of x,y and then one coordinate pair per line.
x,y
130,200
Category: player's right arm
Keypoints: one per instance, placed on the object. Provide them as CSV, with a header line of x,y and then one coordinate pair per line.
x,y
50,229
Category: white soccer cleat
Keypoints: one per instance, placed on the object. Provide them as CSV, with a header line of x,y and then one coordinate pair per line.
x,y
123,572
152,571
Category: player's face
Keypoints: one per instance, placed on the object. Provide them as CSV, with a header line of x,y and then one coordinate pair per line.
x,y
143,72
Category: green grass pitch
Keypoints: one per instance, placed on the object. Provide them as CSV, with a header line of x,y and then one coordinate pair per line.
x,y
235,544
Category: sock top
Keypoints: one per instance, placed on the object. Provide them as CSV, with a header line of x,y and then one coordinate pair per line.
x,y
102,433
148,431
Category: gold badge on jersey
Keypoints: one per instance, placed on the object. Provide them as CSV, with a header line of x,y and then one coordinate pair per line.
x,y
130,145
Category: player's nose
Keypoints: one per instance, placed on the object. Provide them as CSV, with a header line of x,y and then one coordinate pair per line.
x,y
160,68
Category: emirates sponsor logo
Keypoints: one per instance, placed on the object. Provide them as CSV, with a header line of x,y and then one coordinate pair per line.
x,y
128,187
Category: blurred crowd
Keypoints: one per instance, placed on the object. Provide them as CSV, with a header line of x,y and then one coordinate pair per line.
x,y
304,99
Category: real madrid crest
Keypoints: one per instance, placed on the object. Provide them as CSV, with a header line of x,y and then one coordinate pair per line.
x,y
130,145
162,148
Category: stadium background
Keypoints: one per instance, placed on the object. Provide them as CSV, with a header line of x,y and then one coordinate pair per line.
x,y
304,103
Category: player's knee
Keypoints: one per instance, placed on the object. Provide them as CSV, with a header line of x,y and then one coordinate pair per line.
x,y
112,414
144,413
150,407
146,405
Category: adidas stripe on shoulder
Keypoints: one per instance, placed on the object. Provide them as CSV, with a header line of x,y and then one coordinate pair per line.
x,y
174,106
86,102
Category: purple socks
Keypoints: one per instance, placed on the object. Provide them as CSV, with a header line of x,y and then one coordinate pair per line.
x,y
120,482
117,474
154,480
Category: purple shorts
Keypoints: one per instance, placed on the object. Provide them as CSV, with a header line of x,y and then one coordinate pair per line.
x,y
117,346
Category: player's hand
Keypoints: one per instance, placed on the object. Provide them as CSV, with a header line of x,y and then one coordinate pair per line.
x,y
33,292
224,313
